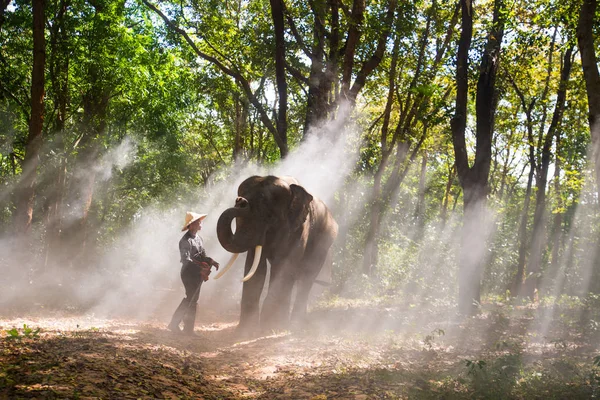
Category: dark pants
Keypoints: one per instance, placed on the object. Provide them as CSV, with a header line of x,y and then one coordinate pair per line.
x,y
186,311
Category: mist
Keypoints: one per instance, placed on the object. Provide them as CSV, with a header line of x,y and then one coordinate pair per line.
x,y
136,274
407,309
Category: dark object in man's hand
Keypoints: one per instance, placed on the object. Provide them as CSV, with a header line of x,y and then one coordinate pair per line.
x,y
204,271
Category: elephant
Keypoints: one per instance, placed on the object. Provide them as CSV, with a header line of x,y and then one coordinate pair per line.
x,y
277,221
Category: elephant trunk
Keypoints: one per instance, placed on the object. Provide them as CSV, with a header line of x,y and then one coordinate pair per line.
x,y
241,240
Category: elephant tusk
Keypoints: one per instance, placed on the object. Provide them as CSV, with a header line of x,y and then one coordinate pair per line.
x,y
234,256
257,254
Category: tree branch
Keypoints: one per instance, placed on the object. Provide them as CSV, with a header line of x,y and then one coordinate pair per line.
x,y
234,73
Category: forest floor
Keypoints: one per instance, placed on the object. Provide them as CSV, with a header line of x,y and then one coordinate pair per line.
x,y
348,351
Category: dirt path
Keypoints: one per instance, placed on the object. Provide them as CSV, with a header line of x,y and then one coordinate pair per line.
x,y
342,355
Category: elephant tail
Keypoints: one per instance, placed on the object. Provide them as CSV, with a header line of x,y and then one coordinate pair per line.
x,y
322,283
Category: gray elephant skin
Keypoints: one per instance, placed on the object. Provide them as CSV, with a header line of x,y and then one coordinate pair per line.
x,y
279,221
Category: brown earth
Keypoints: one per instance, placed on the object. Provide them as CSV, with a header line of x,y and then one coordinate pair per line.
x,y
344,353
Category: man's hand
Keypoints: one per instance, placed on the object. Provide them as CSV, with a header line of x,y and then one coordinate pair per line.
x,y
215,264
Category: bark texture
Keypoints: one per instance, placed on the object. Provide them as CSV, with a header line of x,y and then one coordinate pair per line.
x,y
26,189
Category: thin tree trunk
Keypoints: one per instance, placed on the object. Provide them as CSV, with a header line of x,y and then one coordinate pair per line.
x,y
373,62
386,197
232,71
444,211
26,197
323,91
369,255
420,207
59,76
409,116
557,231
95,110
524,221
523,239
505,166
82,186
539,219
239,127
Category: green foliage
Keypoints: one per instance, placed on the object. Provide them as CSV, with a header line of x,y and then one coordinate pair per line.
x,y
121,75
495,378
25,333
473,365
429,339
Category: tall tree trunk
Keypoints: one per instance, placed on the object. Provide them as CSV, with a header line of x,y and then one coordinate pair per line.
x,y
505,166
389,191
589,63
469,272
352,41
539,219
557,231
523,222
241,118
523,239
229,70
95,106
59,77
322,94
26,196
281,120
369,255
321,73
557,234
95,102
410,114
474,180
3,6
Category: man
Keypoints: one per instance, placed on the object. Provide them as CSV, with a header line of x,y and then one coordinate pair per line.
x,y
195,269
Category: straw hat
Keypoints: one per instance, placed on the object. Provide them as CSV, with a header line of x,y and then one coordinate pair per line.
x,y
191,217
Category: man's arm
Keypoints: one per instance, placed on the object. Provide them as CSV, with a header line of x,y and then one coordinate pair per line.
x,y
201,258
185,250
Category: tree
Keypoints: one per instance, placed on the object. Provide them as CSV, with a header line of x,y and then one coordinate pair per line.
x,y
337,71
589,63
232,69
26,196
474,180
281,120
3,6
413,99
539,218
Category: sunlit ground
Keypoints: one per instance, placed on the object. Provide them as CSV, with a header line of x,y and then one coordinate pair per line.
x,y
349,350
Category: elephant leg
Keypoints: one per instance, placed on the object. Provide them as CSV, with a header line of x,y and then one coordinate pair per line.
x,y
251,291
276,308
310,269
300,304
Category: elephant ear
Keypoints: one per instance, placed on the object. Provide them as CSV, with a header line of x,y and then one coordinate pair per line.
x,y
299,206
